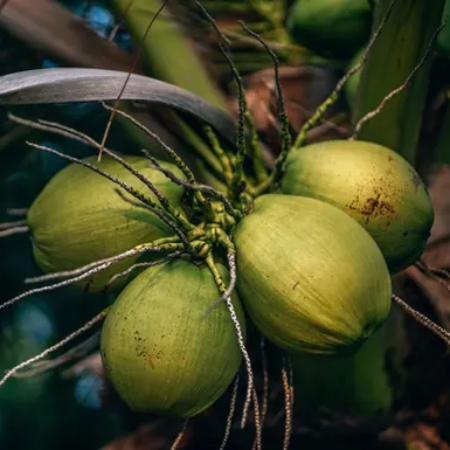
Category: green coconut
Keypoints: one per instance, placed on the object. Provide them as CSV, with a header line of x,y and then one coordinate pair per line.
x,y
335,28
79,218
372,184
311,278
159,352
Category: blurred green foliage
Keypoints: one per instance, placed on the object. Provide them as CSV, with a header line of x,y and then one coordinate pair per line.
x,y
48,411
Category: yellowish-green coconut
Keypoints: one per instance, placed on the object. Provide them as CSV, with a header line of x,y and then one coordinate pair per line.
x,y
159,351
311,278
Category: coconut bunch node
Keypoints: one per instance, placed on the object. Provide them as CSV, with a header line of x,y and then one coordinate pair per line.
x,y
308,246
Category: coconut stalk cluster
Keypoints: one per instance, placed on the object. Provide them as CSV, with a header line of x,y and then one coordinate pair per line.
x,y
304,251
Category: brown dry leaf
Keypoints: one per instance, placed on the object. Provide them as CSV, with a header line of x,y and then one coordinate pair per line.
x,y
304,89
48,27
89,365
437,253
424,436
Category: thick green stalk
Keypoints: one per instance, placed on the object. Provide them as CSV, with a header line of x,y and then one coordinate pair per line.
x,y
358,384
398,49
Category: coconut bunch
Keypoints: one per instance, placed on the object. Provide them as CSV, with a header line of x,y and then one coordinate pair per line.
x,y
304,251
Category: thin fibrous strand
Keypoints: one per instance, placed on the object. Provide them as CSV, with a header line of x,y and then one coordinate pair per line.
x,y
196,187
220,153
226,434
287,404
57,346
192,187
440,275
371,114
142,265
67,132
62,130
134,192
128,188
240,338
180,435
75,353
283,117
265,395
291,380
8,225
17,211
330,101
120,22
183,238
168,150
238,175
130,253
442,272
258,426
229,290
86,267
12,231
256,150
213,23
77,135
130,72
423,320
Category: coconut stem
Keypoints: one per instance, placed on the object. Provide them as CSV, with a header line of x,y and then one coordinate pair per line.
x,y
236,214
183,238
70,273
440,273
224,158
265,395
230,416
57,346
229,290
288,400
180,435
139,250
132,268
8,225
169,151
17,211
13,230
240,337
424,320
75,353
238,175
283,117
256,151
